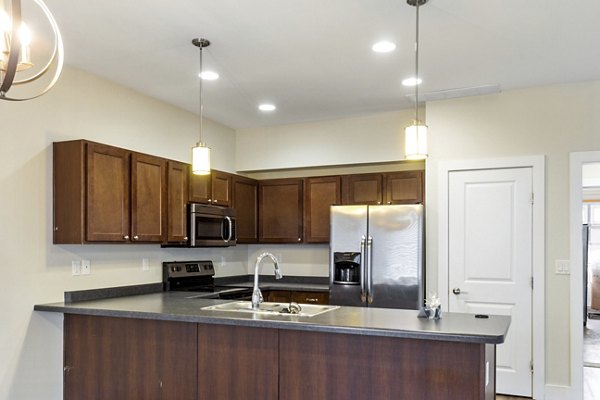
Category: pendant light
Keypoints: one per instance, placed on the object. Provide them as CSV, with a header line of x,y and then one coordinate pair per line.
x,y
416,134
200,152
15,52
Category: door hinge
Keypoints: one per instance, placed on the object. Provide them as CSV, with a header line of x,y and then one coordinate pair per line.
x,y
531,199
531,282
531,366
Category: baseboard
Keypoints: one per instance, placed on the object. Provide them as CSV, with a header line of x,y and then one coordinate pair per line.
x,y
557,392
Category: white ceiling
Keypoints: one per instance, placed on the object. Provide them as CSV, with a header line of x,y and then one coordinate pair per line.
x,y
313,58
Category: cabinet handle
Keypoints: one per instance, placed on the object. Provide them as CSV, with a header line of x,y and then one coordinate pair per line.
x,y
126,237
136,237
214,201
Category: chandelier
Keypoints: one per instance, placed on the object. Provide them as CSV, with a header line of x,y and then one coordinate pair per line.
x,y
15,52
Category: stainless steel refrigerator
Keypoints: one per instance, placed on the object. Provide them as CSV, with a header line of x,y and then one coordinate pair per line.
x,y
376,256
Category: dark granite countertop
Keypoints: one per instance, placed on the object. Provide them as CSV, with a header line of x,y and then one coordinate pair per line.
x,y
179,306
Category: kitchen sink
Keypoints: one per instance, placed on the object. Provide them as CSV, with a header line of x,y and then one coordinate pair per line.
x,y
267,308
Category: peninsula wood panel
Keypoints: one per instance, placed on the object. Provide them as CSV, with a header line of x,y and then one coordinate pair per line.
x,y
380,368
124,359
237,363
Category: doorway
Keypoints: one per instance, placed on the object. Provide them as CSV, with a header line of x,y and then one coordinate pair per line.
x,y
494,181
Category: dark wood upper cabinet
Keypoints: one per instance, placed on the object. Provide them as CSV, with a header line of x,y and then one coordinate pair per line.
x,y
177,197
214,188
107,194
362,189
404,187
148,195
245,202
319,194
280,210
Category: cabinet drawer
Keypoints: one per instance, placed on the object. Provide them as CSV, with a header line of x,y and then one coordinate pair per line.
x,y
311,297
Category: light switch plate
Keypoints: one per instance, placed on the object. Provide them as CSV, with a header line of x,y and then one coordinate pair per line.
x,y
76,267
562,267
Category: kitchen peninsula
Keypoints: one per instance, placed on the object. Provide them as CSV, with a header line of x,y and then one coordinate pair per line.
x,y
165,345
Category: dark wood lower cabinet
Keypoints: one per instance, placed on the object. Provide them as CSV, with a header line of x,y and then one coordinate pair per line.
x,y
237,363
123,358
314,365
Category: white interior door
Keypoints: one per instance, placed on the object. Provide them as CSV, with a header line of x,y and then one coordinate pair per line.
x,y
490,261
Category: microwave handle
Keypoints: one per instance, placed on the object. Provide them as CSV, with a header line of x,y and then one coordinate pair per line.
x,y
230,229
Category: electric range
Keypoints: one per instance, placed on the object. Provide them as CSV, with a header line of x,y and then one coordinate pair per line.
x,y
198,277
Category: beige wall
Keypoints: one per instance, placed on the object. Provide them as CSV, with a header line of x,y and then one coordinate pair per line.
x,y
551,121
34,270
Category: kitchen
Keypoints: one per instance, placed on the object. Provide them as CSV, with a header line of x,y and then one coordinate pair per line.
x,y
534,120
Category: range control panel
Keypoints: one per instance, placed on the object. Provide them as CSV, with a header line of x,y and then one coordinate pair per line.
x,y
182,269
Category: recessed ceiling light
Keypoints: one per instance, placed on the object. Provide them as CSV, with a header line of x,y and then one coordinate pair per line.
x,y
266,107
412,81
208,75
384,47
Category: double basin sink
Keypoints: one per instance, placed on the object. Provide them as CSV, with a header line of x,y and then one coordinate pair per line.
x,y
268,308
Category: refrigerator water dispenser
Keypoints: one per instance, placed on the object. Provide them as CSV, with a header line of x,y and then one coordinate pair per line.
x,y
346,268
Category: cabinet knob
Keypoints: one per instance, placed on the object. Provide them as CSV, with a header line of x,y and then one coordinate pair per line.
x,y
185,238
126,237
136,237
299,239
389,202
210,200
378,202
214,201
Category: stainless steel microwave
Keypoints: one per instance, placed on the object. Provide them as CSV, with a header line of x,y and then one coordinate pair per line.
x,y
211,226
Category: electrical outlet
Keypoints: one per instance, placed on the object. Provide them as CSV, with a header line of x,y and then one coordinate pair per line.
x,y
86,267
76,267
145,264
561,267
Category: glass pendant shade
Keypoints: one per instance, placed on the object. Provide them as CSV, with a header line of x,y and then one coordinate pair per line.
x,y
201,159
415,146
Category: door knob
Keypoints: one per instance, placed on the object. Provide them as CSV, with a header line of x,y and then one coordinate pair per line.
x,y
458,291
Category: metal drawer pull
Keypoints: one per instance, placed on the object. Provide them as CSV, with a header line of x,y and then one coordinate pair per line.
x,y
312,300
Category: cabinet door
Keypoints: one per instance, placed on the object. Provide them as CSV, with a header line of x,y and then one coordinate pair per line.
x,y
200,188
237,363
311,297
107,194
280,210
278,296
245,202
319,194
148,188
404,187
125,358
177,196
362,189
221,188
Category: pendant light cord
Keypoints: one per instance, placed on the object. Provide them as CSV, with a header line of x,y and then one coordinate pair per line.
x,y
200,76
417,65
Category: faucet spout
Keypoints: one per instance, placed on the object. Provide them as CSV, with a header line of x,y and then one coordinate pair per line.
x,y
257,297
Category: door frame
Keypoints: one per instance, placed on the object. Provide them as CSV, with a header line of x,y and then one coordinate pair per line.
x,y
576,162
537,164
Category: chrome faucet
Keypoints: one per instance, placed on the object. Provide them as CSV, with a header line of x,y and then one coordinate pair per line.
x,y
257,297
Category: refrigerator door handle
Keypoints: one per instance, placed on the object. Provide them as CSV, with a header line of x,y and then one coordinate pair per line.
x,y
363,260
370,270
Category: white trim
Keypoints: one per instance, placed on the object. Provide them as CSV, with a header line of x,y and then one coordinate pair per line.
x,y
558,392
537,164
575,199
